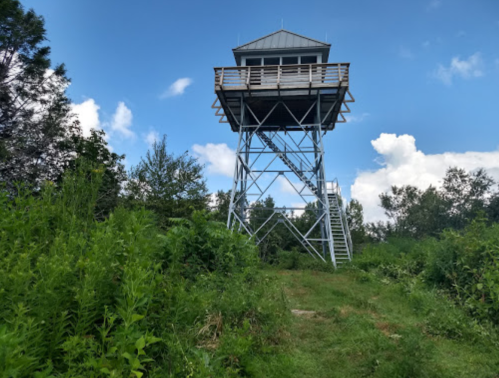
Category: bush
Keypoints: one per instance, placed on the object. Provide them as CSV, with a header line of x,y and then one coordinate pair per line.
x,y
467,265
80,298
295,260
464,264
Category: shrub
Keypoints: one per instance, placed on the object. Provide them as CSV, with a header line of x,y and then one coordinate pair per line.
x,y
464,264
80,298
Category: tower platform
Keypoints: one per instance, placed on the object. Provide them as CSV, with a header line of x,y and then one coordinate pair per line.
x,y
302,88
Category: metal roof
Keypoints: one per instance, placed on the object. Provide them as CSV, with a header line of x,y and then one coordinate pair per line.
x,y
281,39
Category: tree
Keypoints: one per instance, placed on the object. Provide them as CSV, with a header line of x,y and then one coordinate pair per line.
x,y
355,219
417,213
221,205
259,213
36,125
94,150
171,186
466,194
493,208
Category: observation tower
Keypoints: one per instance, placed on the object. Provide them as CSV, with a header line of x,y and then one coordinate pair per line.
x,y
282,98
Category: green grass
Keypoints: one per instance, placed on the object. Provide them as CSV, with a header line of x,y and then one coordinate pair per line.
x,y
367,327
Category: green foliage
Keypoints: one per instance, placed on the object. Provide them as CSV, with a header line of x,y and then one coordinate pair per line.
x,y
462,263
80,298
204,246
296,260
170,186
94,149
377,327
36,125
418,214
221,206
355,219
466,264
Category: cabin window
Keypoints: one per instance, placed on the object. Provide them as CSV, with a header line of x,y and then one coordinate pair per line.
x,y
271,61
253,61
289,60
308,59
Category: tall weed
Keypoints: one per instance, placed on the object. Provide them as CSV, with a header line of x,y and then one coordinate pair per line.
x,y
81,298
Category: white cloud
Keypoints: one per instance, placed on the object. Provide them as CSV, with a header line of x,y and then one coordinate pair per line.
x,y
219,158
177,88
88,114
463,68
299,213
356,118
289,186
403,164
151,137
122,121
286,187
405,53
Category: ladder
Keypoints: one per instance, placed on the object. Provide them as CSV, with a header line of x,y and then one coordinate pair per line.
x,y
342,242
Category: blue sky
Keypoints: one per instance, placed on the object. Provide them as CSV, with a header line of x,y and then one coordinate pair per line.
x,y
425,76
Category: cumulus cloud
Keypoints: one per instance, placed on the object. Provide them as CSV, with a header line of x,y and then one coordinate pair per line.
x,y
88,114
403,164
286,187
151,137
122,121
299,212
466,69
177,88
220,159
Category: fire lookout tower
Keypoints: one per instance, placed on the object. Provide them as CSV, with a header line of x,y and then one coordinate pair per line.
x,y
282,98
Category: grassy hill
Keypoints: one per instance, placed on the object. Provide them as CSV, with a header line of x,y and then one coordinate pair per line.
x,y
353,324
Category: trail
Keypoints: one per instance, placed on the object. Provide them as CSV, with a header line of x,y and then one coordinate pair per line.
x,y
344,325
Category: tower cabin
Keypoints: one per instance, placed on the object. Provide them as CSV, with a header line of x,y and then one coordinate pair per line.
x,y
280,70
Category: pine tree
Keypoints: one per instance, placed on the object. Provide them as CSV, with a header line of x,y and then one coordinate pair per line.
x,y
171,186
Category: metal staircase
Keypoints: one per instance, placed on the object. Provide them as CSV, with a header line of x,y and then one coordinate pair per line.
x,y
287,161
340,233
342,241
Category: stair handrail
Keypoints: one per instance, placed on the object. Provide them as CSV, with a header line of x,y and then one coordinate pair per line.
x,y
336,189
286,156
291,155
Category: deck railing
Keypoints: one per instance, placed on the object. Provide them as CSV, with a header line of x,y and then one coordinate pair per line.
x,y
282,77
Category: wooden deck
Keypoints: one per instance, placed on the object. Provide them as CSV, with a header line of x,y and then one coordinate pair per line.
x,y
296,76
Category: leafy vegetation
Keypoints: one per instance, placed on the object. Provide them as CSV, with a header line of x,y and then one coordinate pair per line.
x,y
36,126
171,186
464,264
419,213
81,298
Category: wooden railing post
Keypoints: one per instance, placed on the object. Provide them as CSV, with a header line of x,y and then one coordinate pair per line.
x,y
248,77
310,74
278,76
222,77
339,73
